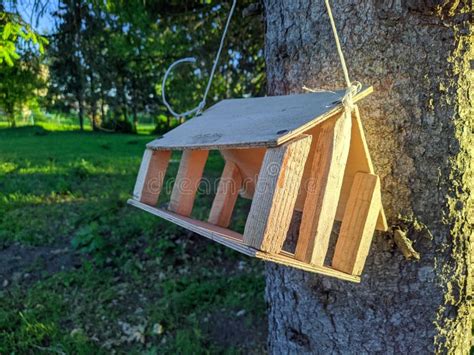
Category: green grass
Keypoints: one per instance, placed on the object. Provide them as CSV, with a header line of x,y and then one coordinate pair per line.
x,y
140,285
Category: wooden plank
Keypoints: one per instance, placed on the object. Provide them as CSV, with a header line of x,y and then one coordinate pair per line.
x,y
358,161
218,234
187,181
307,180
249,161
275,196
323,190
151,176
226,196
255,122
288,259
358,224
234,241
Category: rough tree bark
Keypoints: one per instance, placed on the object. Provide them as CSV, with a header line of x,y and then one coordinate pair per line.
x,y
419,57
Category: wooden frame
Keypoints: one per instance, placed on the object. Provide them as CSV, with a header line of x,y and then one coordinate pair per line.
x,y
324,170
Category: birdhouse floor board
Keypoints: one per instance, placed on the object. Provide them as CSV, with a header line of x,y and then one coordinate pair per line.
x,y
234,241
218,234
255,122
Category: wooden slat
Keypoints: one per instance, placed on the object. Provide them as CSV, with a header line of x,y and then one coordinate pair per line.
x,y
226,196
323,190
151,175
234,241
187,181
359,160
358,224
277,188
255,122
218,234
288,259
249,162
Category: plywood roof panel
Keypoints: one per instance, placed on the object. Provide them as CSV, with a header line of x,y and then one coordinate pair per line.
x,y
254,122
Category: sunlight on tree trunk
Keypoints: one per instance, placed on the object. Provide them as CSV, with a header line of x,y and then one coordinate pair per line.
x,y
419,124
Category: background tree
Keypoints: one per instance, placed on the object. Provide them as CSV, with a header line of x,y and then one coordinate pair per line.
x,y
418,55
19,86
68,63
125,48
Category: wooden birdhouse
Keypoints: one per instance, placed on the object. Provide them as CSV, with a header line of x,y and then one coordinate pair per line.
x,y
285,153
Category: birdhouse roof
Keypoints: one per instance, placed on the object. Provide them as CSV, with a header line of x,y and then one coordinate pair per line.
x,y
254,122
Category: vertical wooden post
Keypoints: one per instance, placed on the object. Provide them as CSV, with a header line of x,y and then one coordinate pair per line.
x,y
187,181
358,224
275,196
324,188
151,175
226,196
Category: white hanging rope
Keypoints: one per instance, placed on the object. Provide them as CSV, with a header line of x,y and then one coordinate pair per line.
x,y
198,109
352,88
338,45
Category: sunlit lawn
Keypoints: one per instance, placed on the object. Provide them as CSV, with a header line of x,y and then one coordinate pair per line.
x,y
93,273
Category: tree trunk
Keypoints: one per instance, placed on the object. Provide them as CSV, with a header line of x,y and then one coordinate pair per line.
x,y
81,113
93,103
102,105
10,111
12,120
419,57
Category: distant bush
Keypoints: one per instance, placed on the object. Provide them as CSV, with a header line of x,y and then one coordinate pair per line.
x,y
163,125
120,126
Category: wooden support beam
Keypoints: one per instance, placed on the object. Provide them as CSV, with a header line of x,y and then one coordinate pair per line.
x,y
249,162
151,175
275,196
358,225
226,196
323,190
187,181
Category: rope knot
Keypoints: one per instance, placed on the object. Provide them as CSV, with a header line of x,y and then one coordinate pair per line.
x,y
351,91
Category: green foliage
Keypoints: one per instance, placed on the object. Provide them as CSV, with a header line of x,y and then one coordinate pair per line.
x,y
14,34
